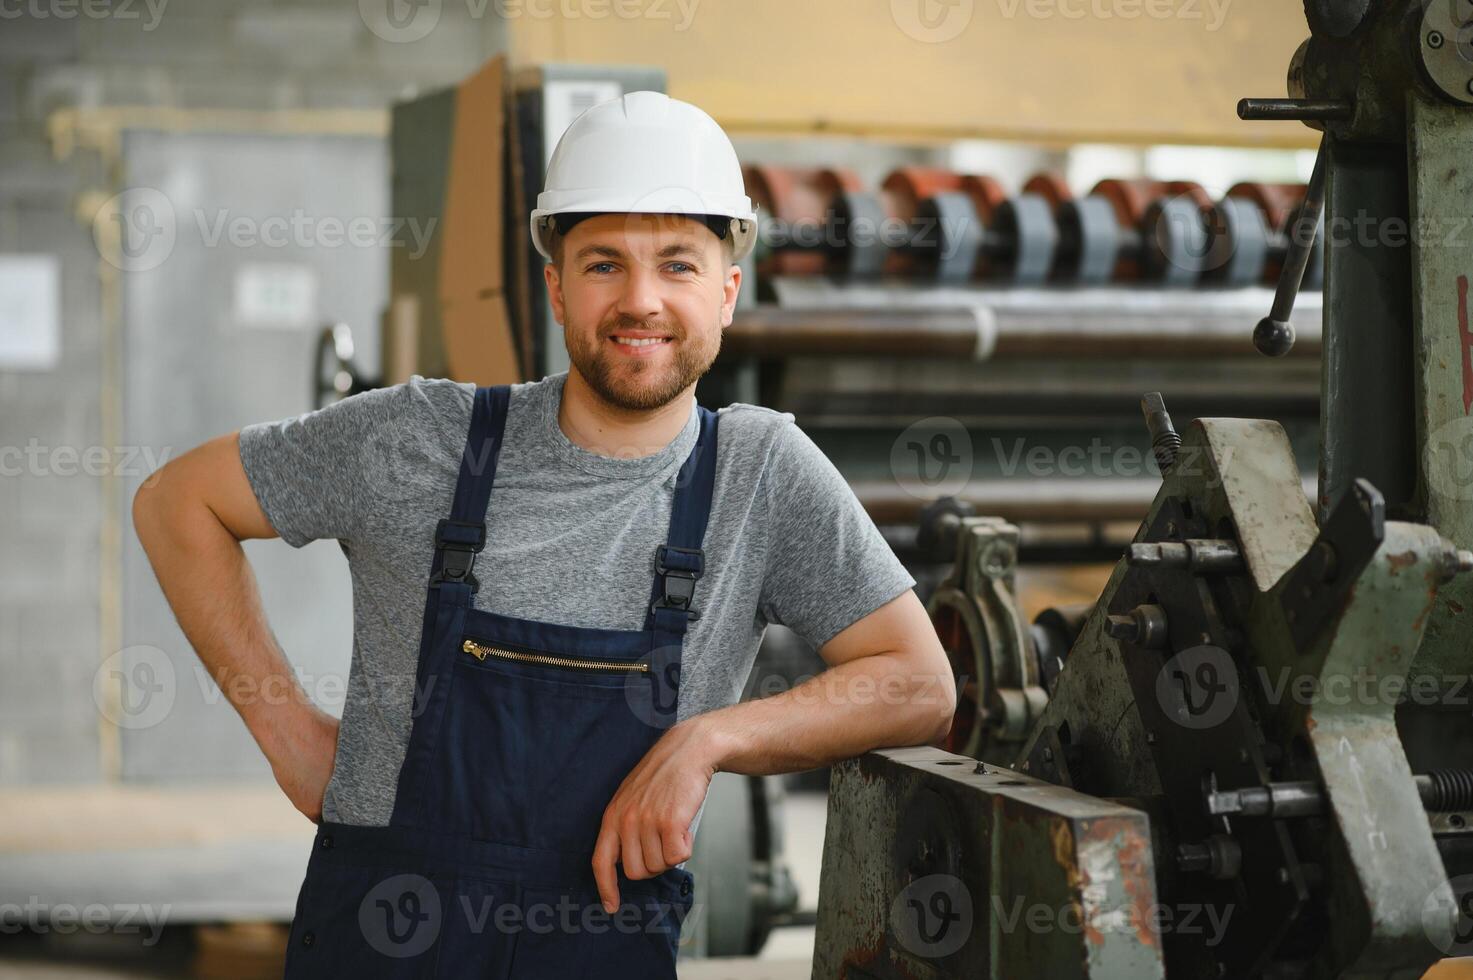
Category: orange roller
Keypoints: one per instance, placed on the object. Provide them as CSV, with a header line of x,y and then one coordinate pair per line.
x,y
901,194
799,196
986,194
1050,186
911,185
1130,198
1190,189
1276,201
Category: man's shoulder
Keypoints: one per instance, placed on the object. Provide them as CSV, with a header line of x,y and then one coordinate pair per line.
x,y
422,401
752,418
442,395
753,435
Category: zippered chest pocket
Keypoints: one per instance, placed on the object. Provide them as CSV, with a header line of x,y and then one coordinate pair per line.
x,y
483,651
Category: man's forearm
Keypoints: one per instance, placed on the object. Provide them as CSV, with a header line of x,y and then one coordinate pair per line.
x,y
208,582
871,702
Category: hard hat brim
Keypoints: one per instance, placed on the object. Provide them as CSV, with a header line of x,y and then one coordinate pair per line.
x,y
743,225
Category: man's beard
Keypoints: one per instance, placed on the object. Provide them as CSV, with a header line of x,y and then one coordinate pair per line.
x,y
637,385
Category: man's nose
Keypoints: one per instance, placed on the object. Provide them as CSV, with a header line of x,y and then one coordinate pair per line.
x,y
640,298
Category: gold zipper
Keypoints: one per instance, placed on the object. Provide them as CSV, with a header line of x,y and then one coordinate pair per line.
x,y
480,651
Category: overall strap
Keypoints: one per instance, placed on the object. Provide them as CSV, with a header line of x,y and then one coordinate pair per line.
x,y
681,560
461,536
458,539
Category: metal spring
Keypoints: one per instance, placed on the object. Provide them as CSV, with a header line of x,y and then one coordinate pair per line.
x,y
1165,446
1451,790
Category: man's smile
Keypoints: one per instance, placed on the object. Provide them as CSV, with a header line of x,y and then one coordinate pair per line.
x,y
636,345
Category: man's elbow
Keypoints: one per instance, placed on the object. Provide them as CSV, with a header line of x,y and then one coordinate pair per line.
x,y
933,695
148,511
945,709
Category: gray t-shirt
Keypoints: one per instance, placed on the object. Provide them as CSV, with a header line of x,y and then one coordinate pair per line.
x,y
570,540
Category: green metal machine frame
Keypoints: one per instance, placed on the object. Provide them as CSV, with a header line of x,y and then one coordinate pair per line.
x,y
1257,757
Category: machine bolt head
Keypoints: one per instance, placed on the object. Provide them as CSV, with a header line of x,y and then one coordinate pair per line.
x,y
1121,628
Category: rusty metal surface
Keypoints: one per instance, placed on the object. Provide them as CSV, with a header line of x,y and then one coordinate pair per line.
x,y
1353,891
983,875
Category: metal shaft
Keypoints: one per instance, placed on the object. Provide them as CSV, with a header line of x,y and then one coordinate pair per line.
x,y
1274,335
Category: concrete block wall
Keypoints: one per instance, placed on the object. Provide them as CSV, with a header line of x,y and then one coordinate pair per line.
x,y
92,54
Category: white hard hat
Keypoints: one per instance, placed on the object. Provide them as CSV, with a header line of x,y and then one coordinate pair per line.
x,y
646,153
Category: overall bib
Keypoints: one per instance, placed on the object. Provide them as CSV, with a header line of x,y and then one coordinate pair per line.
x,y
522,732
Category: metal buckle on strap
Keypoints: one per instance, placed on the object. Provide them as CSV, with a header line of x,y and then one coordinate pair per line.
x,y
678,585
458,543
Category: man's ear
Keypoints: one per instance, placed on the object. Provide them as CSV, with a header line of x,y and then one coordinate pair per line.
x,y
729,292
554,290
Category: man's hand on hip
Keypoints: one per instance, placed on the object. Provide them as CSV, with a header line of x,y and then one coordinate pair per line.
x,y
301,752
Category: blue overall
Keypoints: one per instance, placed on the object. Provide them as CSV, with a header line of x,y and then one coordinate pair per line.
x,y
522,732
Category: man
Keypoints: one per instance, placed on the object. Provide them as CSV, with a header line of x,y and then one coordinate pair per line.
x,y
556,733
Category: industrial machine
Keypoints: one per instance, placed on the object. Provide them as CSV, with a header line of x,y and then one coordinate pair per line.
x,y
1022,324
1253,755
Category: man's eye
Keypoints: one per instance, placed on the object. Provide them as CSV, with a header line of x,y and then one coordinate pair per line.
x,y
601,267
680,268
